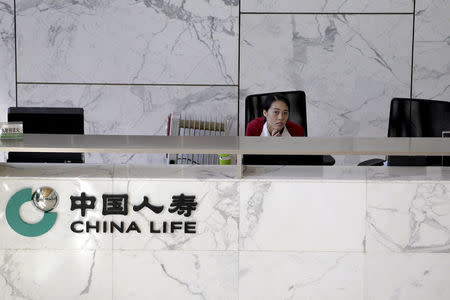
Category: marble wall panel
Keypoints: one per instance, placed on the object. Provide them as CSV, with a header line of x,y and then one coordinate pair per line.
x,y
408,217
408,276
327,6
7,58
432,21
432,70
128,41
137,110
431,50
175,275
275,275
308,216
60,236
55,274
216,215
350,66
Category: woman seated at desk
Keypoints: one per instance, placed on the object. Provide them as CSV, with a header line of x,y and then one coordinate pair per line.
x,y
275,121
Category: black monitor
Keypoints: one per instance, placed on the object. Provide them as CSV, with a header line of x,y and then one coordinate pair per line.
x,y
47,120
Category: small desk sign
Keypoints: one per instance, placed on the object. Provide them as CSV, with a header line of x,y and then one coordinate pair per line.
x,y
11,130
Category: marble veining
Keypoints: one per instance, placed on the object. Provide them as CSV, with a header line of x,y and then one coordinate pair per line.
x,y
293,289
197,265
432,70
55,171
177,275
8,277
420,212
295,173
312,52
267,275
407,174
216,215
366,6
432,45
163,41
7,57
412,276
72,270
142,110
299,239
281,232
179,172
89,281
432,21
305,216
252,213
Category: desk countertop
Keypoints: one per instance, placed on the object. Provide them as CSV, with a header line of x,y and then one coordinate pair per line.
x,y
215,173
227,144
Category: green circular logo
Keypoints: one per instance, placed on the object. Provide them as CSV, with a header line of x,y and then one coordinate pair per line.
x,y
16,222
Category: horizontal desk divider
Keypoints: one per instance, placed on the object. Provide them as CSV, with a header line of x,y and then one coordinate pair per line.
x,y
228,144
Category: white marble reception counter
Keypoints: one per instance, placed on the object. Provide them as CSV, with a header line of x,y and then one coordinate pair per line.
x,y
277,233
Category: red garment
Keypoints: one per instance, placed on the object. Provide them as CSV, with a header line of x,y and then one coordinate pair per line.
x,y
255,127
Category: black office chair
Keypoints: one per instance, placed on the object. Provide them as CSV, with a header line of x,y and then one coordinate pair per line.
x,y
415,118
297,114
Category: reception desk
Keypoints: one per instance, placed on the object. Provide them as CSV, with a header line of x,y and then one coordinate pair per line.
x,y
201,232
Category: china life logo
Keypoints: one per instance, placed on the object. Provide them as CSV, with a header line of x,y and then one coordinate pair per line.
x,y
44,199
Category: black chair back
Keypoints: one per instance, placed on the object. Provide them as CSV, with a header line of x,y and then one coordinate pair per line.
x,y
297,114
418,118
297,111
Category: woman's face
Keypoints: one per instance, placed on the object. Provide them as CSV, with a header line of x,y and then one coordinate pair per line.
x,y
276,116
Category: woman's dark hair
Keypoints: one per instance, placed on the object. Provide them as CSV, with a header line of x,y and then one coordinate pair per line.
x,y
272,98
